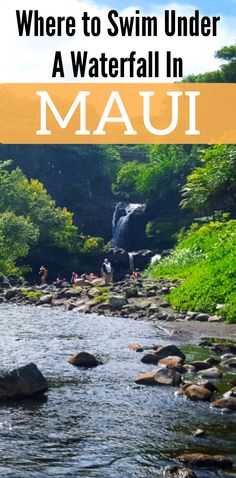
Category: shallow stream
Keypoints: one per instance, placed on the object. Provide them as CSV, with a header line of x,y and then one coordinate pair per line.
x,y
97,423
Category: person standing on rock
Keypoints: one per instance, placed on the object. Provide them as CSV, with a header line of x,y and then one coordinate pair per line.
x,y
106,272
44,273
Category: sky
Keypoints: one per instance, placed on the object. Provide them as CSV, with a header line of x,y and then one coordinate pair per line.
x,y
30,59
211,7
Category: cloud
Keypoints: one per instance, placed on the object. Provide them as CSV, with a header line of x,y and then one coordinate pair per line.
x,y
30,59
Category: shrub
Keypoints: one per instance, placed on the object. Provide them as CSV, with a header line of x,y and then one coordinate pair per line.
x,y
206,259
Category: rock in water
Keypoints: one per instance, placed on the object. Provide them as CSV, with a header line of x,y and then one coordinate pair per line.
x,y
84,359
162,376
197,392
163,351
179,472
22,382
229,403
135,347
213,372
202,460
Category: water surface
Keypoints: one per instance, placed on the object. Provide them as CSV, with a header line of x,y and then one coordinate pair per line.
x,y
96,423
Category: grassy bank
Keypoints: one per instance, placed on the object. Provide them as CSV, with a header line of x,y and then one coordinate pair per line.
x,y
205,258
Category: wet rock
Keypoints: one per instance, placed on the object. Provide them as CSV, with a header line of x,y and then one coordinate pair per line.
x,y
22,382
214,318
189,368
202,317
165,290
209,461
213,361
213,372
151,293
209,385
135,347
197,393
150,359
200,433
84,359
229,362
163,351
45,300
131,292
148,378
191,315
171,362
153,309
73,292
161,316
200,365
179,472
229,403
161,376
59,302
224,348
117,301
164,304
10,294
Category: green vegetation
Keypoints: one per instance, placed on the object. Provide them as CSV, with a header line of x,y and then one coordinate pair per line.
x,y
33,228
36,294
206,259
99,299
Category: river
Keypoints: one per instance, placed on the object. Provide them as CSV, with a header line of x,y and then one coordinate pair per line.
x,y
96,423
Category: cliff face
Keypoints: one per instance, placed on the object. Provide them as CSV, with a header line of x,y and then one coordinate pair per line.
x,y
80,179
77,177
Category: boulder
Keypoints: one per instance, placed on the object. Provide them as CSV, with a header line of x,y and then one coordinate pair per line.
x,y
10,294
131,292
163,351
93,292
229,362
165,376
229,403
117,301
171,362
200,365
164,304
97,282
162,376
150,359
22,382
191,315
135,347
73,292
209,461
202,317
224,348
214,318
179,472
200,433
84,359
45,300
213,372
197,392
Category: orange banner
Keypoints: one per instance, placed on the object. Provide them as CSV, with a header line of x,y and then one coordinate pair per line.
x,y
118,113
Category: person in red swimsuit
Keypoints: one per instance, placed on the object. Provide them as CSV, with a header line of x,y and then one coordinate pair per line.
x,y
44,273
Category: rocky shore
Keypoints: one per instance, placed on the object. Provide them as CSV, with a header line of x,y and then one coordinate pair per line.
x,y
143,299
162,365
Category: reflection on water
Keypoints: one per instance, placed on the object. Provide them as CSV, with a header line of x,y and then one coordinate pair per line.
x,y
96,423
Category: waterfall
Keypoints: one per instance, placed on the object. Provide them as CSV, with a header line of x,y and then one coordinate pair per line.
x,y
131,261
120,222
155,258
